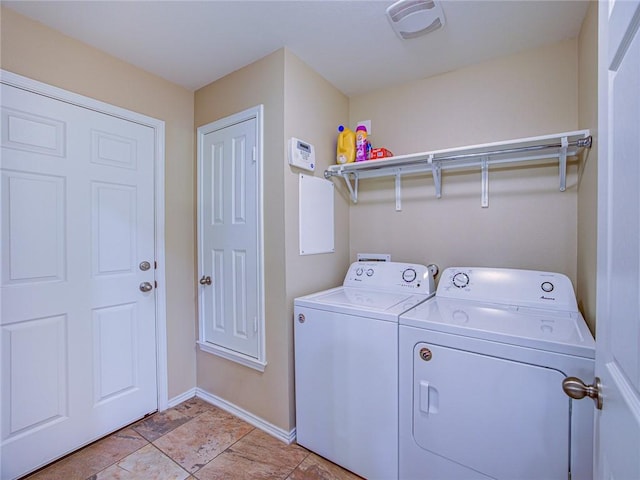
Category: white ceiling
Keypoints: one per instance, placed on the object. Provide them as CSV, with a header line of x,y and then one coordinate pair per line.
x,y
350,43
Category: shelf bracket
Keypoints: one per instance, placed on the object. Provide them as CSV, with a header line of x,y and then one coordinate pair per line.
x,y
398,192
485,182
562,157
435,172
353,189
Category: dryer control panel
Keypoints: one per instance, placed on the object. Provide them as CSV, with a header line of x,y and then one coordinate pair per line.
x,y
509,286
391,277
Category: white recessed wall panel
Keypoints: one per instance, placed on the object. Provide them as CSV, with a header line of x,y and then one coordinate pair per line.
x,y
218,307
239,262
32,133
239,182
217,184
33,228
114,228
113,150
115,352
34,370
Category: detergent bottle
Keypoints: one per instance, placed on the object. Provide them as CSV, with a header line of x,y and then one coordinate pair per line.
x,y
362,144
346,146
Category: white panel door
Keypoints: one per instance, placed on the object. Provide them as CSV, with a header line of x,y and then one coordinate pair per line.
x,y
78,334
617,445
229,239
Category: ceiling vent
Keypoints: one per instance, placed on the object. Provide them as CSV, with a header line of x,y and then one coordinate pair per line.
x,y
413,18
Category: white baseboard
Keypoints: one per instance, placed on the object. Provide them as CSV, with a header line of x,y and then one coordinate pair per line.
x,y
183,397
279,433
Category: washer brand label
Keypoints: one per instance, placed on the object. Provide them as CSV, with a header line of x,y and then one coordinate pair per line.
x,y
547,298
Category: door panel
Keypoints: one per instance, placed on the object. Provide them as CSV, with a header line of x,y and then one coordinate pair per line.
x,y
78,336
618,327
230,238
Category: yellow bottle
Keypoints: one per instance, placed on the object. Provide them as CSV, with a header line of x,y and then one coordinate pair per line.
x,y
346,145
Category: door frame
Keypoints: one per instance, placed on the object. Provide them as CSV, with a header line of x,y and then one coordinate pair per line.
x,y
34,86
254,113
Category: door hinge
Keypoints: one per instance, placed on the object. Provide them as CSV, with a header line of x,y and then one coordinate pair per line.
x,y
155,282
155,265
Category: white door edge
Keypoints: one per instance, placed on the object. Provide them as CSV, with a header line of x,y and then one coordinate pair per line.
x,y
24,83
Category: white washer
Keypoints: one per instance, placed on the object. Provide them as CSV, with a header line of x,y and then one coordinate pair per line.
x,y
481,371
346,365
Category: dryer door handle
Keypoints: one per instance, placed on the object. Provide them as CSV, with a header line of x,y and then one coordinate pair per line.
x,y
429,398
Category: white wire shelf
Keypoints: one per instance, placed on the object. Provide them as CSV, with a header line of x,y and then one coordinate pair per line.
x,y
558,146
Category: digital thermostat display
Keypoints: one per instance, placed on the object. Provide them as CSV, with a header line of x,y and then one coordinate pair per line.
x,y
302,154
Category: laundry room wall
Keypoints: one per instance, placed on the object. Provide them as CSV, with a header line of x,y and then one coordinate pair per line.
x,y
297,102
33,50
313,110
262,393
588,178
529,223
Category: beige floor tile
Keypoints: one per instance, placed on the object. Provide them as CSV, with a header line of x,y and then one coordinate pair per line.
x,y
194,407
256,456
161,423
315,467
93,458
148,463
203,438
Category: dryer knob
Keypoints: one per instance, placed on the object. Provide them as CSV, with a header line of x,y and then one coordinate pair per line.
x,y
460,280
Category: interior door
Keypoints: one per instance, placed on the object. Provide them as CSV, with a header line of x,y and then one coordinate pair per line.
x,y
78,331
229,245
618,328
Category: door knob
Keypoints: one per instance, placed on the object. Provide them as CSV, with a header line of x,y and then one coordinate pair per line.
x,y
576,389
146,287
205,280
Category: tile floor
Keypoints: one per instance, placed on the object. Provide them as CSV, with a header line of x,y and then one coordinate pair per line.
x,y
194,440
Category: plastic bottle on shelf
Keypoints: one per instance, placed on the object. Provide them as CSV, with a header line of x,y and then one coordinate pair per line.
x,y
362,144
346,146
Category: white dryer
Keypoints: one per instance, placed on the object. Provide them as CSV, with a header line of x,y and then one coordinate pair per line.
x,y
481,371
346,365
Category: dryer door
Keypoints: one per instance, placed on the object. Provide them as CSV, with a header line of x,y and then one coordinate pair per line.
x,y
502,418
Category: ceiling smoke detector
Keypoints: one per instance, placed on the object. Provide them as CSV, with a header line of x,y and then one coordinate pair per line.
x,y
413,18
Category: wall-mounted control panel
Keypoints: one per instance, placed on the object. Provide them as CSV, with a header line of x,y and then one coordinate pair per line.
x,y
302,154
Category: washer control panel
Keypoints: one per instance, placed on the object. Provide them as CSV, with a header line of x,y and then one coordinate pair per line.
x,y
527,288
391,276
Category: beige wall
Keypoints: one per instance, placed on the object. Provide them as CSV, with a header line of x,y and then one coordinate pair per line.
x,y
587,191
313,110
263,394
38,52
289,91
529,222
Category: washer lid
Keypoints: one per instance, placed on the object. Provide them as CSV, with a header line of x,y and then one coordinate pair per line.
x,y
363,302
542,329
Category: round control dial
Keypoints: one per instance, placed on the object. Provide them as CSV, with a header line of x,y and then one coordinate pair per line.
x,y
460,280
547,287
409,275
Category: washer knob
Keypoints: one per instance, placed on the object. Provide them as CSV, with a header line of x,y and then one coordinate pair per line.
x,y
409,275
460,280
547,287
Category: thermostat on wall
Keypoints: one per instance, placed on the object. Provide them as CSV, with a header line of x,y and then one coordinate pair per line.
x,y
302,154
